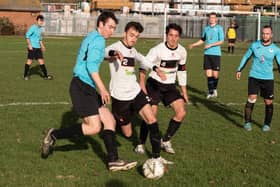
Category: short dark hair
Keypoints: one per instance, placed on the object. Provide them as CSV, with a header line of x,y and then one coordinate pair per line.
x,y
212,14
267,27
135,25
173,26
104,16
41,17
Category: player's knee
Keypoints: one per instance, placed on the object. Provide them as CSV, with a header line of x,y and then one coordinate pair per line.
x,y
180,115
94,129
252,100
127,134
151,120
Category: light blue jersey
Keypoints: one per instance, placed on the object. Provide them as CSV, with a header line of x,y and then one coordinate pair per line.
x,y
213,34
90,56
263,57
34,34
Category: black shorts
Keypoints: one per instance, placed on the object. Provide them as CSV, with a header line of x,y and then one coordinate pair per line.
x,y
86,101
212,62
265,87
167,93
35,53
231,40
124,110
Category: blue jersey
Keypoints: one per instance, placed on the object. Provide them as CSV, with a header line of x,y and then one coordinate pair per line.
x,y
213,34
34,34
90,56
263,57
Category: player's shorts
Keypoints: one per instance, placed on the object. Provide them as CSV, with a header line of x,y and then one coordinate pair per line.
x,y
265,87
35,53
231,40
86,101
167,93
212,62
124,110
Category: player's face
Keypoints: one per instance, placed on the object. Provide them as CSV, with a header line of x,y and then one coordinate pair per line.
x,y
266,35
172,38
130,37
40,22
212,19
107,29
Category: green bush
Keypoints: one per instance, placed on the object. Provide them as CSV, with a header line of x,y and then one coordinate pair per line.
x,y
6,26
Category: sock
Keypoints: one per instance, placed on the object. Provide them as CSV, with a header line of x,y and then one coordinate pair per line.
x,y
248,111
155,139
210,81
232,49
75,130
171,130
216,80
228,48
26,70
109,138
143,132
44,70
268,114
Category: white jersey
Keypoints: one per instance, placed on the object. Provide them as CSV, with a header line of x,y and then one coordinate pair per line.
x,y
170,61
123,83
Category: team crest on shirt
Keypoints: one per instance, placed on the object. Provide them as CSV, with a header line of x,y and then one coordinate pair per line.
x,y
271,50
172,54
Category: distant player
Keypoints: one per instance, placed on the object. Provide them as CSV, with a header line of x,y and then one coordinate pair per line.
x,y
231,36
170,57
127,96
35,48
261,77
87,102
213,36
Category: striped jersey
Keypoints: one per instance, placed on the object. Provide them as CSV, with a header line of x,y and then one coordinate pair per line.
x,y
171,61
263,58
123,83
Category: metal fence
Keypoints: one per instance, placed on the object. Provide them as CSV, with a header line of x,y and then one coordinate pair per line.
x,y
81,24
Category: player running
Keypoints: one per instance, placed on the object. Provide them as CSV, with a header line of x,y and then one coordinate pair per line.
x,y
261,77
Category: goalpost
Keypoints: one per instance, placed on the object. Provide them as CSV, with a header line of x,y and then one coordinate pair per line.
x,y
183,12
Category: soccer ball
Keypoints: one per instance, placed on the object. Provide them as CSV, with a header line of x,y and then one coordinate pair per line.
x,y
153,169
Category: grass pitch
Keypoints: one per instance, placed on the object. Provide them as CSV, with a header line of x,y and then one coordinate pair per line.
x,y
211,147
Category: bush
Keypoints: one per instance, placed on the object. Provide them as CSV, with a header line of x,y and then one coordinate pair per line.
x,y
6,27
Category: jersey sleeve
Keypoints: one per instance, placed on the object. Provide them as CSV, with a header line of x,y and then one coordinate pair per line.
x,y
151,57
182,71
29,33
245,58
203,34
221,34
109,48
95,55
143,62
277,57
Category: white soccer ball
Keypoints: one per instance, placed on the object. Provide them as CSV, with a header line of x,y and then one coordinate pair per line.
x,y
153,169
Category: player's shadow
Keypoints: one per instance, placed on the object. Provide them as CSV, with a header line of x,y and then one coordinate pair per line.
x,y
223,110
35,70
79,143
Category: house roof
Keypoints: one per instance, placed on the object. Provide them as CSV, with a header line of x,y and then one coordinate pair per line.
x,y
20,5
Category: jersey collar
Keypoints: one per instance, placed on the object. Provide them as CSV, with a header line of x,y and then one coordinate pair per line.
x,y
125,45
173,49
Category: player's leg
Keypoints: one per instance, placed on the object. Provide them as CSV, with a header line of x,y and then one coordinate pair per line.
x,y
268,94
39,57
207,66
215,63
30,57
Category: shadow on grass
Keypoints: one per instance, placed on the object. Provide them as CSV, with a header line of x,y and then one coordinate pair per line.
x,y
116,183
223,110
79,143
35,70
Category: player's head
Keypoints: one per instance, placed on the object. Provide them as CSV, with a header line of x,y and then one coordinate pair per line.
x,y
173,33
40,20
212,18
132,32
106,24
267,34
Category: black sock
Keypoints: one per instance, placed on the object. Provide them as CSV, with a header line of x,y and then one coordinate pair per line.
x,y
268,114
109,138
155,139
210,81
171,130
74,130
44,70
248,112
143,132
232,49
228,48
26,70
216,80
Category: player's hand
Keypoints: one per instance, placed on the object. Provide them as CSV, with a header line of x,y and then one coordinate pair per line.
x,y
207,46
118,55
190,46
105,96
238,75
30,47
43,48
186,97
161,74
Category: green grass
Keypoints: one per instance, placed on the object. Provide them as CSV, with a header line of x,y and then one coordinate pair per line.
x,y
211,147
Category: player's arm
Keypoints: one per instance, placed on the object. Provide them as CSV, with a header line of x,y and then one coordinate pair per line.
x,y
182,76
244,61
198,43
112,53
278,59
142,80
220,41
28,34
42,46
95,57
